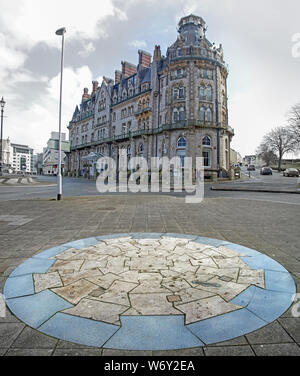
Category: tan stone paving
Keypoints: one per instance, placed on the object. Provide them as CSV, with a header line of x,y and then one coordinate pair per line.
x,y
166,276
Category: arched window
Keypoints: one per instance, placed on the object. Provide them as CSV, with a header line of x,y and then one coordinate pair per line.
x,y
129,152
181,150
175,115
209,93
201,92
181,92
175,93
202,114
181,114
206,141
208,115
181,143
141,150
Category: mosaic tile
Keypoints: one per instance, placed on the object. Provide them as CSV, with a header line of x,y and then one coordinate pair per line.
x,y
151,276
74,292
46,281
153,333
192,294
241,249
99,311
149,263
231,262
152,304
70,253
205,308
79,330
118,293
61,265
35,309
175,284
104,281
252,277
69,278
226,290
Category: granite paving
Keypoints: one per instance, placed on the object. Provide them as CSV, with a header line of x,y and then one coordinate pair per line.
x,y
177,273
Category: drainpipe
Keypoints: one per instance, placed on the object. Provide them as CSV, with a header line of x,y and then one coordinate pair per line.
x,y
217,121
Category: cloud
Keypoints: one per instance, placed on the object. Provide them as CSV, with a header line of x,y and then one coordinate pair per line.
x,y
138,44
29,22
264,76
87,50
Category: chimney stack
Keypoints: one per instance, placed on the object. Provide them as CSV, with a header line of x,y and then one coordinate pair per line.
x,y
128,69
95,86
86,95
117,76
157,54
144,59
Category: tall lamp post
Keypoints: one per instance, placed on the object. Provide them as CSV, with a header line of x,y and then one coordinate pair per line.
x,y
2,104
61,32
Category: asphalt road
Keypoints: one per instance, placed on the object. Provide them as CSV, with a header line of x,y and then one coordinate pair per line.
x,y
82,187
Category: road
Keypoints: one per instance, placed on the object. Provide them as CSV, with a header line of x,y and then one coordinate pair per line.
x,y
81,187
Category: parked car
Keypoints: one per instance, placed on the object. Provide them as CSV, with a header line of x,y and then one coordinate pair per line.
x,y
251,168
291,172
266,171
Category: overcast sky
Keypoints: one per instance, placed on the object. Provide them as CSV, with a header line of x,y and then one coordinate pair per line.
x,y
257,37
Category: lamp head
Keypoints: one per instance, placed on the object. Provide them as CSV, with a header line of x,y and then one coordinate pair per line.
x,y
61,31
2,103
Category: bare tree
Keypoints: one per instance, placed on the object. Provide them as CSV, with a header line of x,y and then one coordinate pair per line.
x,y
294,121
266,154
281,141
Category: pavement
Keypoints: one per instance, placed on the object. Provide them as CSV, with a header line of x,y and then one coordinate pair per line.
x,y
30,227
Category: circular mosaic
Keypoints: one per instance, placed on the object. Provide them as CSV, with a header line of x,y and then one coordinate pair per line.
x,y
149,291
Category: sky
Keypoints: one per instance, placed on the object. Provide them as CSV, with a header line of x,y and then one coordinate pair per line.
x,y
260,38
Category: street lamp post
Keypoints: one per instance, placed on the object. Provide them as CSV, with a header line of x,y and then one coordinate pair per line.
x,y
60,32
2,104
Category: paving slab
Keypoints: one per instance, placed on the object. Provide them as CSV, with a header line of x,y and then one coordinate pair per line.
x,y
256,230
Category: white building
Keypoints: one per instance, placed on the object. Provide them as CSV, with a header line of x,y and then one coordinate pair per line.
x,y
51,153
21,158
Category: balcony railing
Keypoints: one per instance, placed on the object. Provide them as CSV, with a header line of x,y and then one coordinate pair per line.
x,y
147,132
142,110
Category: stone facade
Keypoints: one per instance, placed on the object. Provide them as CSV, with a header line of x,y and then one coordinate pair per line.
x,y
165,106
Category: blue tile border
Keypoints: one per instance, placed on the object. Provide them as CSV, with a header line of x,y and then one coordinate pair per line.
x,y
51,252
16,287
44,311
153,333
225,327
35,309
33,265
79,330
